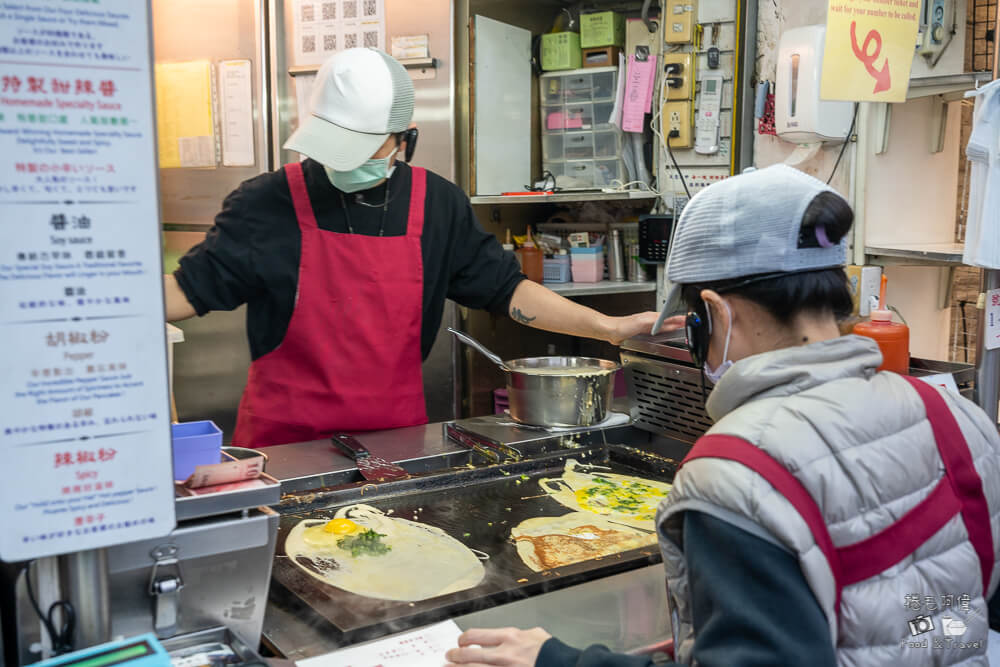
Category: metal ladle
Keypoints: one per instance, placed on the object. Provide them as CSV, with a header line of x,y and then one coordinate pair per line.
x,y
473,343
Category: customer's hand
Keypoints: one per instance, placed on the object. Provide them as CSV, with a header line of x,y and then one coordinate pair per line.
x,y
623,328
502,647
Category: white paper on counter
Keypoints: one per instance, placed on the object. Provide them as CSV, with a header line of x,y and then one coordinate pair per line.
x,y
237,113
946,380
421,648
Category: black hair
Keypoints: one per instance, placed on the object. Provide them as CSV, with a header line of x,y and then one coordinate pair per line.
x,y
787,295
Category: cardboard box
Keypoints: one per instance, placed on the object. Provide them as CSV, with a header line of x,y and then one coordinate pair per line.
x,y
561,50
602,29
601,56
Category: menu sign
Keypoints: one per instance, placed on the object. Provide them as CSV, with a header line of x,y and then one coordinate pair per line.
x,y
84,418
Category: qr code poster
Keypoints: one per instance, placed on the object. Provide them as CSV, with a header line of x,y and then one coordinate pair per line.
x,y
323,27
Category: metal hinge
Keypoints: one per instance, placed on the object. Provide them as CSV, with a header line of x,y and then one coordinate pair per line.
x,y
165,584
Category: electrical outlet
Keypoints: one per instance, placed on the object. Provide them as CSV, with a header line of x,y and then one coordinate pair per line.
x,y
686,63
679,20
677,118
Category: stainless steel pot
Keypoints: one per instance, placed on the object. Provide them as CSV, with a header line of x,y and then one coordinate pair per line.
x,y
581,396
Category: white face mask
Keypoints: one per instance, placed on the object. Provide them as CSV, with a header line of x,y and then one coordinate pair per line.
x,y
369,174
716,374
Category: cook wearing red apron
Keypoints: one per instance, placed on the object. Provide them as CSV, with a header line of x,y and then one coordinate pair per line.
x,y
350,359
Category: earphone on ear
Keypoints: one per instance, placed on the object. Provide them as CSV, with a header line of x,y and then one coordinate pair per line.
x,y
698,327
410,136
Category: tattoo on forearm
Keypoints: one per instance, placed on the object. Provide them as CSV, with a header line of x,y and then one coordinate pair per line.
x,y
521,317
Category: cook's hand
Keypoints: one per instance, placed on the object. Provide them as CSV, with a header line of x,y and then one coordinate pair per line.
x,y
503,647
623,328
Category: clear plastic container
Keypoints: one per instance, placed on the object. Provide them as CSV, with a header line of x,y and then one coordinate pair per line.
x,y
586,174
577,175
580,85
607,144
557,269
579,116
552,146
600,115
578,145
587,265
606,172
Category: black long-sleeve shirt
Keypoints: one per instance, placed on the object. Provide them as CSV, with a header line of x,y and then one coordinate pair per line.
x,y
251,254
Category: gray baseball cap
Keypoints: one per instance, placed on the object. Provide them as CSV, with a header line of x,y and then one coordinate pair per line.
x,y
745,226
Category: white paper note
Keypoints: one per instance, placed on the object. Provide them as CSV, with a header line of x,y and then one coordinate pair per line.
x,y
196,151
411,46
421,648
237,113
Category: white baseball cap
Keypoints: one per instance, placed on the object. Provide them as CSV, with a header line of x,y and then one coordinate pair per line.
x,y
361,97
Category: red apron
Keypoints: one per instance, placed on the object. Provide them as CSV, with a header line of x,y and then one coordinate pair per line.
x,y
350,360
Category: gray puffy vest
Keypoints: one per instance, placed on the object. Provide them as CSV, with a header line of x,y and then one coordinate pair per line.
x,y
862,447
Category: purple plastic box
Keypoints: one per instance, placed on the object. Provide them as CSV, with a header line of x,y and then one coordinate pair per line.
x,y
195,444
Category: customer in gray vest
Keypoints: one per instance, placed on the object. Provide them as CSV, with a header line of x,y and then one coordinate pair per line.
x,y
833,515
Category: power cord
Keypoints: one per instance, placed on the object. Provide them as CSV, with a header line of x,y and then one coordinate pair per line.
x,y
657,116
850,133
62,639
680,174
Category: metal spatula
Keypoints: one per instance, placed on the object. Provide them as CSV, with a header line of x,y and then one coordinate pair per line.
x,y
373,468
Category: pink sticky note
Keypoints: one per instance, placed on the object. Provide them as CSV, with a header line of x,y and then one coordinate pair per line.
x,y
638,92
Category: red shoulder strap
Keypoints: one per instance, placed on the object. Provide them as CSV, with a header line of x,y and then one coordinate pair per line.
x,y
418,194
959,491
300,196
961,471
736,449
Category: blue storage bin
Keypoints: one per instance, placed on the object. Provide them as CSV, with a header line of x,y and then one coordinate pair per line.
x,y
195,444
556,269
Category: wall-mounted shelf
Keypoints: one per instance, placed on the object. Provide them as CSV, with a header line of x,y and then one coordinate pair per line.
x,y
953,85
603,287
563,197
408,63
939,254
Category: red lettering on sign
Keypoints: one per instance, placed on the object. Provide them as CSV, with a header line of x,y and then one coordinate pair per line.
x,y
883,80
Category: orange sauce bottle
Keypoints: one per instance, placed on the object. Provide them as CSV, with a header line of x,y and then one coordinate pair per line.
x,y
893,340
532,260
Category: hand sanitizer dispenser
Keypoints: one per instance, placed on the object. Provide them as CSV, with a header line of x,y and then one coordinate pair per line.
x,y
800,116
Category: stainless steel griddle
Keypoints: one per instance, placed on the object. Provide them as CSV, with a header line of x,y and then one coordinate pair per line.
x,y
476,501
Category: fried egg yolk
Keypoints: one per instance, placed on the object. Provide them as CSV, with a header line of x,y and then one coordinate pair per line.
x,y
341,527
325,536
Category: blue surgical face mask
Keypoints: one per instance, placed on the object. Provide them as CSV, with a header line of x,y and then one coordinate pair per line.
x,y
366,176
716,374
